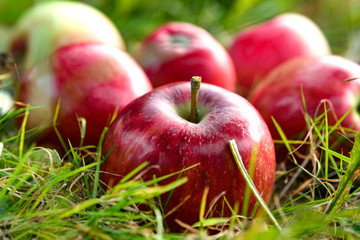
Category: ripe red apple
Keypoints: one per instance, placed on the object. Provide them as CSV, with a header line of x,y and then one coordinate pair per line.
x,y
91,80
51,25
258,50
157,128
320,78
176,51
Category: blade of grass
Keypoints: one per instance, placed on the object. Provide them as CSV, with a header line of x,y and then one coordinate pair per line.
x,y
82,122
164,205
159,224
338,155
252,167
56,114
234,212
211,222
21,160
203,207
253,213
158,179
249,181
56,180
337,124
123,185
326,129
287,145
98,162
352,172
324,140
134,172
172,191
22,136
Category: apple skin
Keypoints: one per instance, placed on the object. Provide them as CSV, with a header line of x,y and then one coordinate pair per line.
x,y
48,26
91,80
258,50
321,78
154,128
4,38
176,51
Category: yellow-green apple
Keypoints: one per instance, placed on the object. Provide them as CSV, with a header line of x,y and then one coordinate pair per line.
x,y
163,128
4,38
318,80
176,51
92,81
48,26
258,50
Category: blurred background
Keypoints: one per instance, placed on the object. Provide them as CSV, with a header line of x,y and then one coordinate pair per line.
x,y
339,20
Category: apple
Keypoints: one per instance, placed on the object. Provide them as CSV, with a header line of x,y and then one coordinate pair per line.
x,y
163,128
50,25
258,50
319,80
4,38
176,51
92,81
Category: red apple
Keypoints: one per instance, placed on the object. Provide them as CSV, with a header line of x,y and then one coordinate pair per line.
x,y
176,51
91,80
48,26
156,127
258,50
320,79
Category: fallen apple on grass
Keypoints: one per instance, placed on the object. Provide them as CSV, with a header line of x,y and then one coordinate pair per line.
x,y
92,81
176,51
313,82
258,50
173,128
48,26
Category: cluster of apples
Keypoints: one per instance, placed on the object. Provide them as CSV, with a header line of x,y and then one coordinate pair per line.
x,y
73,53
285,68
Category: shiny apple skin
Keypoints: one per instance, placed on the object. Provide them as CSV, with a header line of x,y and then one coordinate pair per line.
x,y
91,81
45,27
321,78
258,50
176,51
149,129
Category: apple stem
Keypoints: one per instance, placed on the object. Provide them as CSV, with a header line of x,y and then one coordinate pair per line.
x,y
195,86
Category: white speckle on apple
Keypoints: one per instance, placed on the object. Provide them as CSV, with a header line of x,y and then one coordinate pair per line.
x,y
6,102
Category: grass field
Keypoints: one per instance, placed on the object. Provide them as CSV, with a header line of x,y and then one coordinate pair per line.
x,y
45,196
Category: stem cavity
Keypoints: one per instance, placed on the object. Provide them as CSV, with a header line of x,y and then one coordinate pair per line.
x,y
195,86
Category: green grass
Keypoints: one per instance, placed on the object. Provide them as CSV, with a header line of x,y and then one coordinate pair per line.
x,y
46,196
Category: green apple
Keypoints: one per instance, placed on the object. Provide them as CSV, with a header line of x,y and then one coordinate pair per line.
x,y
48,26
4,38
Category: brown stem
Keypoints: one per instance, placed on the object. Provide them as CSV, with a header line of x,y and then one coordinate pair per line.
x,y
195,86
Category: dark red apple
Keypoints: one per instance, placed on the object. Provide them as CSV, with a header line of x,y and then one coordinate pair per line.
x,y
176,51
156,127
258,50
91,80
319,79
